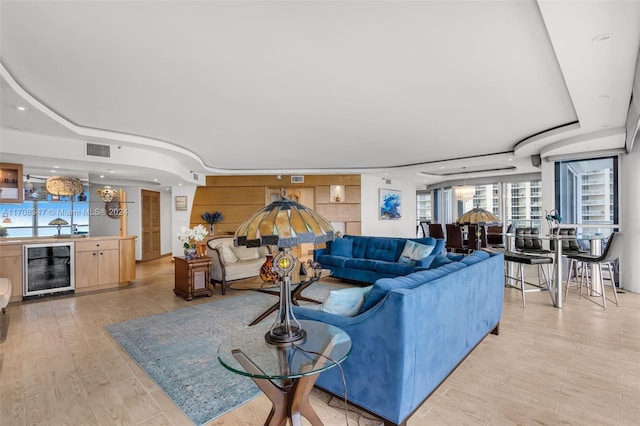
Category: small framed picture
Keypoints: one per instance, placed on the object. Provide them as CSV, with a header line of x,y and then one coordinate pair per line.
x,y
390,205
181,202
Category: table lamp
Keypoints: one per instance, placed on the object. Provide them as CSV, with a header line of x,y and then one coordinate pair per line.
x,y
284,224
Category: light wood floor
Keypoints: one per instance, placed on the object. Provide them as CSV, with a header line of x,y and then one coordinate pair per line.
x,y
576,366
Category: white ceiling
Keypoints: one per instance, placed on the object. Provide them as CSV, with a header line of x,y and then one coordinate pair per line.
x,y
416,89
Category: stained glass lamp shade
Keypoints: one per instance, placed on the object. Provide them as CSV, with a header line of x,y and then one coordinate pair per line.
x,y
284,224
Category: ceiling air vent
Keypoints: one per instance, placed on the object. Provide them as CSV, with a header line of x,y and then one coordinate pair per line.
x,y
97,150
297,179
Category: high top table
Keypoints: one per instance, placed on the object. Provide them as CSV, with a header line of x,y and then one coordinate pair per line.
x,y
286,373
595,243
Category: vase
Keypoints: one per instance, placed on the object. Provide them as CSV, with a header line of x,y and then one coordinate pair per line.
x,y
211,228
267,273
190,253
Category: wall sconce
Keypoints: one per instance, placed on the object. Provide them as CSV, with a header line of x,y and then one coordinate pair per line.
x,y
107,193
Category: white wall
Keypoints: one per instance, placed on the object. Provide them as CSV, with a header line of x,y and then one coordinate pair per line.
x,y
180,218
629,208
371,223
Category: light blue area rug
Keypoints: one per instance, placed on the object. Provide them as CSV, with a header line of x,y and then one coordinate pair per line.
x,y
178,350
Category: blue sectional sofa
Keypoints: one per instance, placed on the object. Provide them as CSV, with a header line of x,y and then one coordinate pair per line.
x,y
413,331
366,259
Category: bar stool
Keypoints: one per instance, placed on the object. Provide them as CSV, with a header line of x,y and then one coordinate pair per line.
x,y
523,259
612,252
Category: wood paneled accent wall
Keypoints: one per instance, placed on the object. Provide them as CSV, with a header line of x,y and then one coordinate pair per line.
x,y
239,197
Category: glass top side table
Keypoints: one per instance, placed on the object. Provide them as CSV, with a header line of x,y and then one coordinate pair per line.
x,y
286,374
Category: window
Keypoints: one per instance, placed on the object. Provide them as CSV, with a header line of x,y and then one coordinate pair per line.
x,y
587,190
32,217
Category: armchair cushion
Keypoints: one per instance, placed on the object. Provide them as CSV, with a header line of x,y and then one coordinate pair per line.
x,y
227,255
245,253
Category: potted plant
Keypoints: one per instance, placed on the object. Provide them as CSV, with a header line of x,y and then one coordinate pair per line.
x,y
211,218
189,238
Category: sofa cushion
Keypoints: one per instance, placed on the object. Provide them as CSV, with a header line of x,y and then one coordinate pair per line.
x,y
439,260
414,251
342,247
475,257
383,249
359,245
227,254
346,302
394,268
329,260
382,286
245,253
366,264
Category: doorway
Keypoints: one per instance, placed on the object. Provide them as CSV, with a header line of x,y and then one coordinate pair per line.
x,y
150,225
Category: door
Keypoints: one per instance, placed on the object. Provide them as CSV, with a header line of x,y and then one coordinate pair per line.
x,y
150,225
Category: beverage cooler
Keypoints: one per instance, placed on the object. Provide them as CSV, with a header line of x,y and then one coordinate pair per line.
x,y
48,268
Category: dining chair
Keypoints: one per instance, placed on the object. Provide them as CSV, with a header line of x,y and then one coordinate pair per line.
x,y
495,237
611,253
422,229
454,241
436,231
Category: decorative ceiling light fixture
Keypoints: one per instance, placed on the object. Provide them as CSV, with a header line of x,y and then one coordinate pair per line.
x,y
284,224
63,186
106,193
465,192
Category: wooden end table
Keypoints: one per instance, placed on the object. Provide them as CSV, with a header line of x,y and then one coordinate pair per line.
x,y
192,277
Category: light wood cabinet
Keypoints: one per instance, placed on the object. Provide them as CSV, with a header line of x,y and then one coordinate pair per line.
x,y
11,268
127,260
97,263
100,262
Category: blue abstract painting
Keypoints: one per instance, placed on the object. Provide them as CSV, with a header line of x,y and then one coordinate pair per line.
x,y
390,204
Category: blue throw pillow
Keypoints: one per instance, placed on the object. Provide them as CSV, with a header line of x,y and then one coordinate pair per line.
x,y
439,260
346,302
342,247
414,251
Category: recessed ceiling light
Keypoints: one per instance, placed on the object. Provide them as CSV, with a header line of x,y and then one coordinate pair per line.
x,y
56,167
179,184
601,37
155,180
21,108
101,176
510,159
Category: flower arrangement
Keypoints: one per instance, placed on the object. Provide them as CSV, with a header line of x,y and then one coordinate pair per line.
x,y
553,217
212,218
189,237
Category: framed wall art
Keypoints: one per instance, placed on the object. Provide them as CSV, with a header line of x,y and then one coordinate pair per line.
x,y
181,202
390,204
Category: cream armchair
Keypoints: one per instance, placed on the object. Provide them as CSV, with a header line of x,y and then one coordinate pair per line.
x,y
234,263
